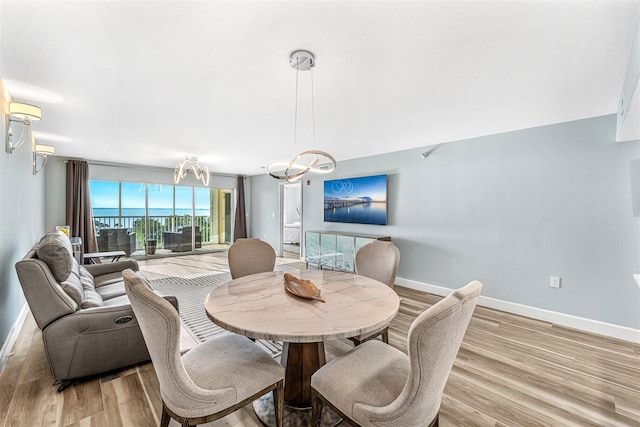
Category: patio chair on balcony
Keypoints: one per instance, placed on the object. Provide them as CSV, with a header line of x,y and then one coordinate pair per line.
x,y
180,241
116,239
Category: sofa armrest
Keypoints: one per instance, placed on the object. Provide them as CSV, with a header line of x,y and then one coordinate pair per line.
x,y
46,298
112,267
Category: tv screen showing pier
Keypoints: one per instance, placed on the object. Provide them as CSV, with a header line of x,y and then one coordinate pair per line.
x,y
361,200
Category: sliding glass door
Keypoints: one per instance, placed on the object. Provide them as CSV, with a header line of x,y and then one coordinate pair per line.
x,y
159,217
178,234
154,219
132,211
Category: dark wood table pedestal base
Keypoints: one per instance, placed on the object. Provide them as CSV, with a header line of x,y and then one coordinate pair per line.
x,y
292,417
300,360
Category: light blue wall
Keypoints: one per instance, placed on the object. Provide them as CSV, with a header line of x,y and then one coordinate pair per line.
x,y
56,195
263,206
510,210
21,222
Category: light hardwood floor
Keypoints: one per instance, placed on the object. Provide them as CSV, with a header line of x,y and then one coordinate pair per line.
x,y
510,371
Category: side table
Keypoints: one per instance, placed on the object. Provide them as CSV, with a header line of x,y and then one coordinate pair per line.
x,y
76,245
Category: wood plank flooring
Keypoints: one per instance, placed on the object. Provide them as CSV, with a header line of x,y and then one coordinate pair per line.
x,y
510,371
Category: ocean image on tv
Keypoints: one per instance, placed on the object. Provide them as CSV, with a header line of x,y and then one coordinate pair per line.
x,y
356,200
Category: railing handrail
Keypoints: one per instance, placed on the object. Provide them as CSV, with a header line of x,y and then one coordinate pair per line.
x,y
158,225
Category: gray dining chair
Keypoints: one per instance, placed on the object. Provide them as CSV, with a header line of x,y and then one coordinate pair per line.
x,y
250,256
210,381
377,260
377,385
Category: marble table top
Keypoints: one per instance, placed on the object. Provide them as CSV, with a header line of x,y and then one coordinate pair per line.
x,y
258,306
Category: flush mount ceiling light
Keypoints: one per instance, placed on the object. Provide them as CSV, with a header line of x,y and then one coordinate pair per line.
x,y
41,151
191,163
19,113
311,160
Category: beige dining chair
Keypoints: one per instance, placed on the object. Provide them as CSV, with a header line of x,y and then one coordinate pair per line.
x,y
377,385
210,381
250,256
377,260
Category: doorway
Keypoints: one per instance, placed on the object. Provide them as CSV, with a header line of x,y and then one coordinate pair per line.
x,y
291,215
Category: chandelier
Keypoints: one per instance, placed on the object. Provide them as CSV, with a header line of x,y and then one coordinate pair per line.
x,y
315,161
191,163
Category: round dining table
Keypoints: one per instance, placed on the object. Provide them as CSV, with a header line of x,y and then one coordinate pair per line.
x,y
259,307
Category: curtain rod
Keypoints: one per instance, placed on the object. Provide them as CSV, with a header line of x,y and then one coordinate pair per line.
x,y
143,167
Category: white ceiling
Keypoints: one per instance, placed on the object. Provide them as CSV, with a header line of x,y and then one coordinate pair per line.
x,y
151,82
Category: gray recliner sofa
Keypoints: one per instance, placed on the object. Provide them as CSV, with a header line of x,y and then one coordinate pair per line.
x,y
88,326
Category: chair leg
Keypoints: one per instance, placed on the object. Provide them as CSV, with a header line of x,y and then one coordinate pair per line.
x,y
316,408
436,421
278,399
356,342
385,336
164,421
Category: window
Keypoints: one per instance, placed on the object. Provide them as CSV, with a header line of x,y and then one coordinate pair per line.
x,y
163,218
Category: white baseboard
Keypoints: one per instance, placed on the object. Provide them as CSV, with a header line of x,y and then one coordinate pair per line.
x,y
581,323
7,347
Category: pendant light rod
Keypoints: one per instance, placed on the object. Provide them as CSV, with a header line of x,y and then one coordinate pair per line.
x,y
311,160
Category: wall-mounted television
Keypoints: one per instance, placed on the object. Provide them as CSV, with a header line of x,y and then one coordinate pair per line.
x,y
361,200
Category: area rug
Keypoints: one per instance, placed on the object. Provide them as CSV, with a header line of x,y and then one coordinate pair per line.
x,y
191,292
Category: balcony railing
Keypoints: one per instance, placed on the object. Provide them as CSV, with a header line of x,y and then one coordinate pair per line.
x,y
157,226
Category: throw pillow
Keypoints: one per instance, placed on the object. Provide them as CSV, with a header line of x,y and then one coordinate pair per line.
x,y
55,249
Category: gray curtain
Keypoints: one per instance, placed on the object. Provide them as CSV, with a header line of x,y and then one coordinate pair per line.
x,y
240,226
79,215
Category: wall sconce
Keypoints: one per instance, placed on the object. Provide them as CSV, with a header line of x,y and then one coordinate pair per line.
x,y
20,113
43,151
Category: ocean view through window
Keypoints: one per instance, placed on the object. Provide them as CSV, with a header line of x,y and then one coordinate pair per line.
x,y
152,219
141,212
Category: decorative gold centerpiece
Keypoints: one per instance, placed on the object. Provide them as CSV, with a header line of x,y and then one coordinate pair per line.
x,y
301,287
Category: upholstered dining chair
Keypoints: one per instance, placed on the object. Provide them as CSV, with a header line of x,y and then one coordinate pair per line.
x,y
210,381
250,256
377,385
377,260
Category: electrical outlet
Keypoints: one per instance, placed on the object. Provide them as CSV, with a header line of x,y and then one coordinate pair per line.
x,y
554,282
636,277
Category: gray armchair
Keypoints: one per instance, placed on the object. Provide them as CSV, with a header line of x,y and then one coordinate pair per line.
x,y
116,239
180,241
88,326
